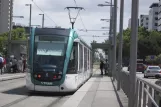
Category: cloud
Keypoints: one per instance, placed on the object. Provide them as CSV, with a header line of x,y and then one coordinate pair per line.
x,y
91,15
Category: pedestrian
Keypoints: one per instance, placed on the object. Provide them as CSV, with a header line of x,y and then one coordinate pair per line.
x,y
24,63
20,63
4,64
14,65
106,66
1,64
101,67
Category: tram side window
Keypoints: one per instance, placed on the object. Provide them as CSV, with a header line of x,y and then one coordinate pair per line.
x,y
80,57
85,59
73,62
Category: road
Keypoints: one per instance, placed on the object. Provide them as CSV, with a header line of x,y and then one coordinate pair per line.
x,y
139,74
13,93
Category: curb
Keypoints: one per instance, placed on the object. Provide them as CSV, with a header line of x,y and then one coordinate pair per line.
x,y
121,96
11,77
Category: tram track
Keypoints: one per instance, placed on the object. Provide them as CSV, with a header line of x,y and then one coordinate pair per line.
x,y
15,102
55,101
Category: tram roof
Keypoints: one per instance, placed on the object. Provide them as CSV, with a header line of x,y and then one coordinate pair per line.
x,y
52,31
81,40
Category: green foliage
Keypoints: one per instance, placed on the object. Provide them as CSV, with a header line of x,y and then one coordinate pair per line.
x,y
19,34
157,60
149,43
16,34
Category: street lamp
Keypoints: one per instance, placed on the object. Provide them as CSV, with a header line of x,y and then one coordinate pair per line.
x,y
10,31
105,27
112,52
108,2
107,20
18,16
104,5
30,15
42,20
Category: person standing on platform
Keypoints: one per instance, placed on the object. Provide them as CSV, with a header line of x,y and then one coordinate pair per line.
x,y
101,67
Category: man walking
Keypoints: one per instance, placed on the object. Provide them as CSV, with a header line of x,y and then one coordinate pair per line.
x,y
106,66
1,64
101,67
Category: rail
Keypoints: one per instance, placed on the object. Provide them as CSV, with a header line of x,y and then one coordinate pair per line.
x,y
146,94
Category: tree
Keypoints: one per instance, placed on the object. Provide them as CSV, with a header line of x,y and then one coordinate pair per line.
x,y
149,43
16,34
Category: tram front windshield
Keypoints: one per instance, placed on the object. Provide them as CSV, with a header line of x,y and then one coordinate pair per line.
x,y
49,51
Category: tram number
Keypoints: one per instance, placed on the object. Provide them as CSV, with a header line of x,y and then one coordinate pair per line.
x,y
46,83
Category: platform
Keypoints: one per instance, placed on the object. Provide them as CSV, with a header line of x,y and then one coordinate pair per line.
x,y
98,91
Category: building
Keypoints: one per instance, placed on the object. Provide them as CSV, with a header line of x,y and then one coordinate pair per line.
x,y
5,7
129,23
144,21
153,17
159,16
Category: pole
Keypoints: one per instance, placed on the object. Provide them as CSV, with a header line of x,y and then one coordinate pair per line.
x,y
133,51
72,25
10,29
30,18
114,37
43,20
112,8
120,42
110,34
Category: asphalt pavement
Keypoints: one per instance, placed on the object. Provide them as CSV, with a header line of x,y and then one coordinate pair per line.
x,y
13,93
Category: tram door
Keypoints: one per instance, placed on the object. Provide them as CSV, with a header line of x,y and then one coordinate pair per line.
x,y
73,61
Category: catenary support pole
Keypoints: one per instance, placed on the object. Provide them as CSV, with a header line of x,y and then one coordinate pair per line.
x,y
133,51
114,39
120,42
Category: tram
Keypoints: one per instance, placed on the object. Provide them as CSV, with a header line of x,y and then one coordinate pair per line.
x,y
58,60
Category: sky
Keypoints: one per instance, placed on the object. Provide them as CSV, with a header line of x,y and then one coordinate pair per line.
x,y
57,15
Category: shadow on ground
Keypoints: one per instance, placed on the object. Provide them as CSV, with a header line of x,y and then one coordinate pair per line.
x,y
23,91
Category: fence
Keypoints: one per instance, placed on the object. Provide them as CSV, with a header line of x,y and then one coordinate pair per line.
x,y
147,94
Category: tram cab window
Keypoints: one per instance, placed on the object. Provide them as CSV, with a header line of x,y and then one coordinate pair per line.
x,y
73,61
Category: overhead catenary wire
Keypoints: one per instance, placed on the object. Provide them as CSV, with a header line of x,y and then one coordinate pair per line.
x,y
44,12
80,16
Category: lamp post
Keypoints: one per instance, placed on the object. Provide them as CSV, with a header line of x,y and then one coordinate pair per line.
x,y
111,50
10,28
42,20
120,43
133,51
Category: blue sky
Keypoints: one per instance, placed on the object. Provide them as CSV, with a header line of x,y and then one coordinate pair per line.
x,y
91,15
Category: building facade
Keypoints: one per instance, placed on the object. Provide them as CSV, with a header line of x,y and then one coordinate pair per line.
x,y
153,17
5,7
159,16
129,23
144,21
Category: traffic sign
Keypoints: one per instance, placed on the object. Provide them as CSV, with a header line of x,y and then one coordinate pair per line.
x,y
152,57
